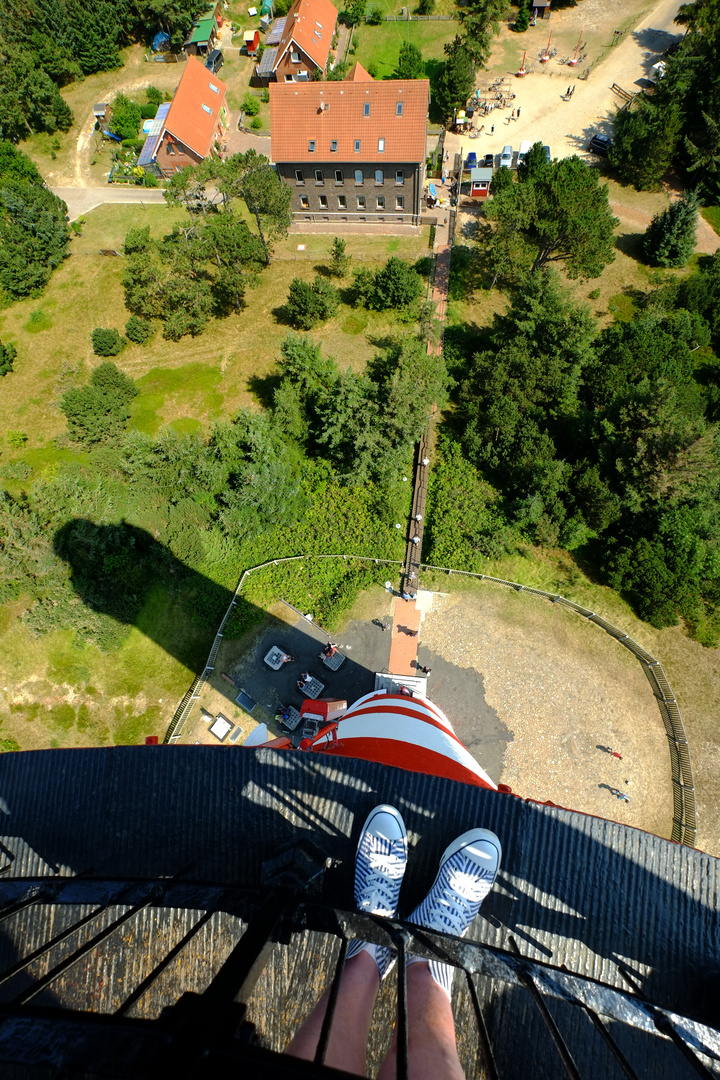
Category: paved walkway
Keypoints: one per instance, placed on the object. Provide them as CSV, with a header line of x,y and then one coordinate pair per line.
x,y
81,199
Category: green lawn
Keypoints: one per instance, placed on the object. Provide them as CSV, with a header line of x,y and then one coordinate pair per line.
x,y
712,216
380,45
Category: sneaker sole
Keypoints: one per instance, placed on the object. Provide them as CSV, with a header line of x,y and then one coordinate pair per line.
x,y
461,842
384,808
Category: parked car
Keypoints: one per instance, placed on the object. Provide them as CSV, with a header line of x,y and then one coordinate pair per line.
x,y
524,148
506,157
214,61
600,144
488,161
472,160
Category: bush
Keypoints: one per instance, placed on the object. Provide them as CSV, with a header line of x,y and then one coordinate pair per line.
x,y
100,410
126,117
250,105
147,112
154,96
138,330
256,123
522,21
374,16
671,236
7,358
265,95
373,69
307,305
150,180
426,7
339,261
17,439
396,285
133,144
107,342
16,470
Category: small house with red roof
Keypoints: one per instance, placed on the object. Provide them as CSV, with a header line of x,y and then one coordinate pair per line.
x,y
351,150
195,124
304,45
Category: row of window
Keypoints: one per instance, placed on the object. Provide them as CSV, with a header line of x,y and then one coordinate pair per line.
x,y
340,178
357,143
360,202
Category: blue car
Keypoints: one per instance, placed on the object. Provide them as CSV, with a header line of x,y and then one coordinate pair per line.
x,y
472,160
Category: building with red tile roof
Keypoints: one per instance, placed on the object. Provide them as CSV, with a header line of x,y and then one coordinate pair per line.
x,y
352,150
304,45
196,122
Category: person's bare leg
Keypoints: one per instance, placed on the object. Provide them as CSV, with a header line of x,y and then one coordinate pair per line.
x,y
432,1051
347,1046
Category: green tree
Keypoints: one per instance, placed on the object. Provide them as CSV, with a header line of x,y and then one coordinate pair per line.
x,y
29,99
34,236
561,214
251,177
396,285
645,141
456,79
236,257
138,330
704,155
7,358
99,410
339,261
307,305
410,63
671,236
355,12
426,7
126,117
534,161
106,342
522,19
480,22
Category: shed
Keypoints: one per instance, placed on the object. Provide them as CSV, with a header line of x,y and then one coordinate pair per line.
x,y
480,183
100,112
202,36
541,9
252,41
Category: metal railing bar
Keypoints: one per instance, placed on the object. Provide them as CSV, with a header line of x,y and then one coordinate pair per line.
x,y
611,1044
332,1002
664,1025
74,958
486,1050
401,939
20,905
42,949
157,971
560,1045
236,979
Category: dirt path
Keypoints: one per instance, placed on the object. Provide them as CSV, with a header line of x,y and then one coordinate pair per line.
x,y
566,126
707,242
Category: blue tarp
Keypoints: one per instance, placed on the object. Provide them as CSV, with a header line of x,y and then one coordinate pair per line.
x,y
161,41
433,190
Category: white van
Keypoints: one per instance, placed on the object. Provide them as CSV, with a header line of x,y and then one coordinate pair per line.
x,y
506,157
524,148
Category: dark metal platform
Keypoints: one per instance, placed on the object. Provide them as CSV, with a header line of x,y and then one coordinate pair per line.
x,y
610,906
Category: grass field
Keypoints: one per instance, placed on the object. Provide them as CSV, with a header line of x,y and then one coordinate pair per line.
x,y
712,216
380,45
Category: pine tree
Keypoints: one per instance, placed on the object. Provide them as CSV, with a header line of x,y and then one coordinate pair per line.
x,y
339,260
670,237
522,20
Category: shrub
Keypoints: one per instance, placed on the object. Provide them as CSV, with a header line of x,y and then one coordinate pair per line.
x,y
256,123
150,180
522,20
100,410
594,295
250,105
147,112
307,305
126,117
265,95
671,236
339,261
426,7
16,470
137,330
17,439
154,96
106,341
373,69
374,16
7,358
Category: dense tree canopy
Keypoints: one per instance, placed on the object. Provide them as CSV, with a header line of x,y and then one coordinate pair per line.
x,y
558,213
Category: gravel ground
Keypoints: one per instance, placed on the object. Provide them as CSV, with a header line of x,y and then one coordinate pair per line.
x,y
568,695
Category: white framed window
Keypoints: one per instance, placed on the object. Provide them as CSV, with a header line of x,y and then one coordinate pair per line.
x,y
366,108
358,176
215,89
381,146
399,202
333,146
398,108
357,146
171,149
304,202
380,202
319,178
289,78
338,176
323,202
361,202
311,146
342,202
294,58
379,177
206,108
399,176
299,178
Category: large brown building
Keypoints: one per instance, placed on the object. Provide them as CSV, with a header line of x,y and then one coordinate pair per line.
x,y
306,35
351,151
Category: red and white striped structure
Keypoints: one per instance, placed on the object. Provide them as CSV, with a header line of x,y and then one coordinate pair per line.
x,y
405,731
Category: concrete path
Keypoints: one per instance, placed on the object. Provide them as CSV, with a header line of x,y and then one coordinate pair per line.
x,y
81,199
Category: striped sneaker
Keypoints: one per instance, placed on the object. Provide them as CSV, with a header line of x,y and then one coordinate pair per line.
x,y
379,868
466,875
